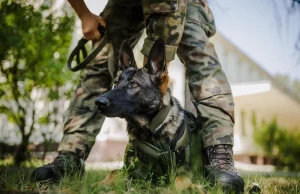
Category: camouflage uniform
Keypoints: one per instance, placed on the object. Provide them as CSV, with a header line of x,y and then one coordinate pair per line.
x,y
185,27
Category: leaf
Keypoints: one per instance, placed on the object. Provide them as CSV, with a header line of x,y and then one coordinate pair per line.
x,y
44,120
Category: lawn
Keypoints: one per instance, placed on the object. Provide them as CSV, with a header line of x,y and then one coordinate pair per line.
x,y
16,180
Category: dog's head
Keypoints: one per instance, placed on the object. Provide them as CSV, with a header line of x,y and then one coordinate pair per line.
x,y
137,91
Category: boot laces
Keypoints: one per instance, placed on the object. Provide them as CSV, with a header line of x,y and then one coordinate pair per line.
x,y
221,159
59,160
66,161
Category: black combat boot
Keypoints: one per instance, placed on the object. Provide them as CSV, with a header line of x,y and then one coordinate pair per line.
x,y
65,164
220,169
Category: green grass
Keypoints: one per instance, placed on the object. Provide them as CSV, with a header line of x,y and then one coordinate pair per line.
x,y
16,180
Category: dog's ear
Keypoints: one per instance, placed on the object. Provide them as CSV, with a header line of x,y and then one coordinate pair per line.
x,y
157,57
157,65
126,57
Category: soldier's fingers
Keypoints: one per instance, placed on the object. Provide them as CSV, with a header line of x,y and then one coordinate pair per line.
x,y
96,36
102,21
88,34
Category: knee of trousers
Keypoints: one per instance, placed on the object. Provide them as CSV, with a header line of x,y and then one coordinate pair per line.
x,y
204,72
203,69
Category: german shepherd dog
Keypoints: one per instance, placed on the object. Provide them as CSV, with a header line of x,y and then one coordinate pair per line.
x,y
159,140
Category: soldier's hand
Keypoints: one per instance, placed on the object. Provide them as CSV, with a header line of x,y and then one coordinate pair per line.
x,y
90,24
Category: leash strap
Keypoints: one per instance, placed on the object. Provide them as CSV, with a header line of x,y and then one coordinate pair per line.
x,y
80,48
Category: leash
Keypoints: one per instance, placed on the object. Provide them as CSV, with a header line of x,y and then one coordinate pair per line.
x,y
81,50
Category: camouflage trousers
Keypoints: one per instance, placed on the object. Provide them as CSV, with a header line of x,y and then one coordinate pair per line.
x,y
185,26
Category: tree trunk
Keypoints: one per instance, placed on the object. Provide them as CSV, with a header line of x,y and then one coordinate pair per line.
x,y
22,151
46,147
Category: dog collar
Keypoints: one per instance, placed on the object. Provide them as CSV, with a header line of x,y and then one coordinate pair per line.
x,y
161,115
159,118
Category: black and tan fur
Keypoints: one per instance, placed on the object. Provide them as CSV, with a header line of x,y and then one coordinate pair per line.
x,y
138,96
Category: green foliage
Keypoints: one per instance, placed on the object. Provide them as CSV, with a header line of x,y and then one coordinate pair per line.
x,y
34,47
279,143
289,148
267,136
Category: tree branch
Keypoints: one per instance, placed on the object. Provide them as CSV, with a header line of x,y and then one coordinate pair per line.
x,y
31,129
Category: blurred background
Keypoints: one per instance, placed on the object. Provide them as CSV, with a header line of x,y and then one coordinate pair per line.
x,y
258,44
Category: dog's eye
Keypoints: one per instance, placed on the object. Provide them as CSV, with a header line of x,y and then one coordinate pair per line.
x,y
133,84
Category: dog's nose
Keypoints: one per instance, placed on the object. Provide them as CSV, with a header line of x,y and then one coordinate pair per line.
x,y
102,102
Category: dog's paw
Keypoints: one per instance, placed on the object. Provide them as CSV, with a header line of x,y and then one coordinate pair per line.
x,y
184,184
110,180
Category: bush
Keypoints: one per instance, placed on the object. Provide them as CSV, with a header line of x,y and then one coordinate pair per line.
x,y
279,144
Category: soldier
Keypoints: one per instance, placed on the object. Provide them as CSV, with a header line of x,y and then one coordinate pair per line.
x,y
185,26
